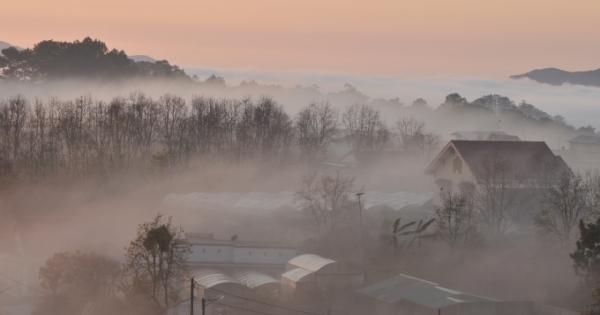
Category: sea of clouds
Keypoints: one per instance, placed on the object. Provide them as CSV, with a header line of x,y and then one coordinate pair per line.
x,y
580,105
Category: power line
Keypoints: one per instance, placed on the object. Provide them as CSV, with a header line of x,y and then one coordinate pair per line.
x,y
268,304
170,307
23,284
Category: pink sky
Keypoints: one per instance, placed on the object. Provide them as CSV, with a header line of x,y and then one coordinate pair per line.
x,y
378,37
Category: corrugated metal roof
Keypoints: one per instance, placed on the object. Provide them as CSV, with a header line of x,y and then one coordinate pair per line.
x,y
298,275
586,139
422,292
254,279
209,278
310,262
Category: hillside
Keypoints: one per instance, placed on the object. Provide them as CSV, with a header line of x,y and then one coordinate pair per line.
x,y
555,76
138,58
4,45
89,58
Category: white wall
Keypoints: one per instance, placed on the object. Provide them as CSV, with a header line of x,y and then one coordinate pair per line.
x,y
257,255
445,171
240,255
210,253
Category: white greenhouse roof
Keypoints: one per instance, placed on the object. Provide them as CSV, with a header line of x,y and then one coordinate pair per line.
x,y
260,203
310,262
254,279
297,274
209,278
422,292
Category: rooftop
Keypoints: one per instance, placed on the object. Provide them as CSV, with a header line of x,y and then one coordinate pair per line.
x,y
525,156
586,139
422,292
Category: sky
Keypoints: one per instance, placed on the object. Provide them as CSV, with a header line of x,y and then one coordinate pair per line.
x,y
396,38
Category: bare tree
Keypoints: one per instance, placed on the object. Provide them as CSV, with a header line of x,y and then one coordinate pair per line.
x,y
414,138
365,128
498,194
175,129
455,221
326,200
562,206
316,125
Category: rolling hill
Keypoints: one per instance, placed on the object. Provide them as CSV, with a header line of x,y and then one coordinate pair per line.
x,y
555,76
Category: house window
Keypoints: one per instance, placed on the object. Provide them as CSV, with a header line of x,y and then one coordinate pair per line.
x,y
457,165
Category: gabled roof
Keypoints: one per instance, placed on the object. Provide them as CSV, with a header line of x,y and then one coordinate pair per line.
x,y
525,156
422,292
586,139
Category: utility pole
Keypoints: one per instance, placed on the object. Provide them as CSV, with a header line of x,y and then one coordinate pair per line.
x,y
362,241
192,298
203,306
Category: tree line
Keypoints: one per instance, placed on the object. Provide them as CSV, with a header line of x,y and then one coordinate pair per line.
x,y
92,283
89,58
92,139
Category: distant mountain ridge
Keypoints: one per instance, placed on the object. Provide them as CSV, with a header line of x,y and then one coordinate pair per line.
x,y
138,58
4,45
554,76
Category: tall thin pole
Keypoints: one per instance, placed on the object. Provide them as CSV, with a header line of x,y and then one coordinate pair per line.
x,y
204,306
192,297
362,240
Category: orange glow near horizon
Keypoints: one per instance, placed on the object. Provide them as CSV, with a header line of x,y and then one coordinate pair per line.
x,y
382,37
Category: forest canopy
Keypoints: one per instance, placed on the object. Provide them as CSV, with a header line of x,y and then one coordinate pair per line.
x,y
89,58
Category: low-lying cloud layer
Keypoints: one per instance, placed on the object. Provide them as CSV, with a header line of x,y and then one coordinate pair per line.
x,y
580,105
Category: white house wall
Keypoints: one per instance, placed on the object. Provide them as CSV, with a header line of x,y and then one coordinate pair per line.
x,y
267,256
444,171
211,253
228,254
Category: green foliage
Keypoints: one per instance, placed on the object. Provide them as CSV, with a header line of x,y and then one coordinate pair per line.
x,y
586,257
399,231
154,261
88,58
594,307
79,282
